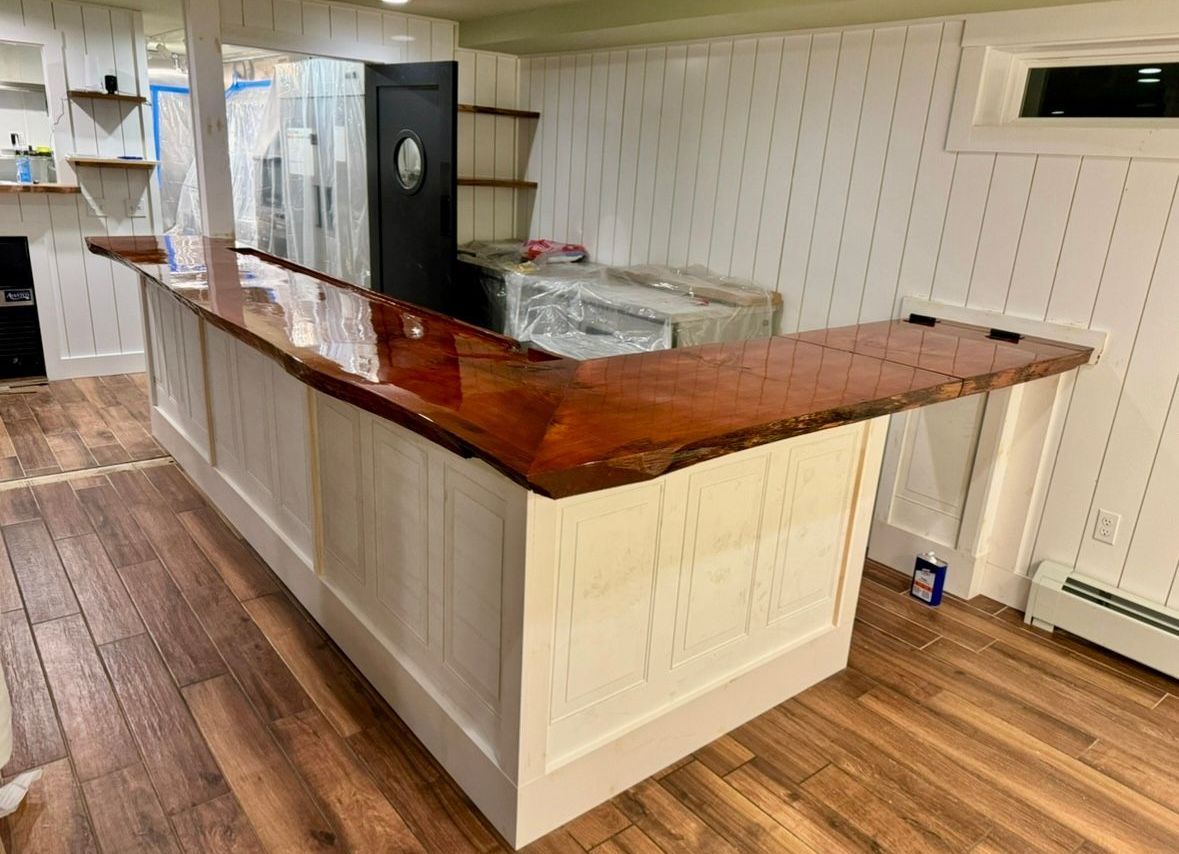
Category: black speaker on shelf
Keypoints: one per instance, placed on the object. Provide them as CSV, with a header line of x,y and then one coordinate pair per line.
x,y
21,352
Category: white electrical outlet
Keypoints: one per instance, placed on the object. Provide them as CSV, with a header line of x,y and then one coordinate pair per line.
x,y
1106,529
136,207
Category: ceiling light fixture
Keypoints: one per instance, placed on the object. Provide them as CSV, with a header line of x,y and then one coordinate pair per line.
x,y
1150,71
1149,80
395,2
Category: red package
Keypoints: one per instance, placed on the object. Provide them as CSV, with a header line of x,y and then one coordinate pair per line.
x,y
551,251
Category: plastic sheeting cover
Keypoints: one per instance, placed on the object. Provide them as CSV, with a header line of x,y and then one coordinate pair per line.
x,y
586,310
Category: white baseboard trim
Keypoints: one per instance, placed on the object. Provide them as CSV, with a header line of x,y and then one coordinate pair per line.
x,y
72,367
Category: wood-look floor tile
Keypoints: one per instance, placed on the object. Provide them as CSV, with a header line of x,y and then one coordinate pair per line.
x,y
264,677
903,629
1160,784
17,505
557,842
53,817
731,813
956,821
667,821
9,590
176,756
241,569
47,411
176,489
365,820
267,787
95,731
972,630
7,449
175,547
43,583
596,826
124,542
629,841
1093,806
131,434
216,827
409,780
100,591
71,452
60,509
886,576
889,662
1006,809
183,643
10,469
110,455
36,737
127,815
66,391
723,755
80,481
338,693
34,453
766,736
135,489
95,391
14,404
892,829
89,424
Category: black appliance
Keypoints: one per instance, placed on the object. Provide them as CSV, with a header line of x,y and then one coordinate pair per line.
x,y
21,354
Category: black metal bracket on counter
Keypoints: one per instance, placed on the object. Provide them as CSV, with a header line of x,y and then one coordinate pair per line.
x,y
1004,335
922,319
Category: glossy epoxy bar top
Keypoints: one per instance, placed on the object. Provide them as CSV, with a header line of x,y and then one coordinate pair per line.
x,y
562,427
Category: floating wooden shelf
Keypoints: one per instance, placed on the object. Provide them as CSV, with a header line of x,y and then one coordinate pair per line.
x,y
115,162
498,111
39,188
509,183
106,96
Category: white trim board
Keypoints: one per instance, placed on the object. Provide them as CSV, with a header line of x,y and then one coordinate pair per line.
x,y
1079,336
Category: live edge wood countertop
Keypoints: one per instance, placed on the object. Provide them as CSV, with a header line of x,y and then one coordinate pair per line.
x,y
558,426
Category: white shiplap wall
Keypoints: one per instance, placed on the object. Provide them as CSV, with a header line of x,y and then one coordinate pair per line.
x,y
89,307
815,164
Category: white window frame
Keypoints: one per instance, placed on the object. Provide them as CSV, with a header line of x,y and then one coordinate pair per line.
x,y
999,50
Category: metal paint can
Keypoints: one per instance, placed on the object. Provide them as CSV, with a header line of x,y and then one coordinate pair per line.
x,y
929,579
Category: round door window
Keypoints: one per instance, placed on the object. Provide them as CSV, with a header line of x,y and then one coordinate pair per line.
x,y
409,161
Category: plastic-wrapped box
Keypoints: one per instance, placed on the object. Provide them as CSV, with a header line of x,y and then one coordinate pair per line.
x,y
586,310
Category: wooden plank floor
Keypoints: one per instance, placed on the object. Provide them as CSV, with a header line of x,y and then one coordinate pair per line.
x,y
180,700
71,425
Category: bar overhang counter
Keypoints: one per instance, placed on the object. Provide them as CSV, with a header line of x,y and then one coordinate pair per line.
x,y
564,576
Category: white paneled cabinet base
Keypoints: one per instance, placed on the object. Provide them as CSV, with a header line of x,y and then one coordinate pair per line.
x,y
550,653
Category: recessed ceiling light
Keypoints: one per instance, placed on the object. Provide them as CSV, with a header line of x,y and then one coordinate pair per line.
x,y
1058,112
395,2
1150,70
1149,80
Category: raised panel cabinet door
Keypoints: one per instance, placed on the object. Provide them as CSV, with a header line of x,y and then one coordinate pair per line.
x,y
720,555
401,529
606,574
341,434
812,539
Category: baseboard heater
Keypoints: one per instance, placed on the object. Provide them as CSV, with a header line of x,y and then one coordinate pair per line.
x,y
1062,598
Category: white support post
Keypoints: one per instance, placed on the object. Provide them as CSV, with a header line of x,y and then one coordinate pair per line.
x,y
202,24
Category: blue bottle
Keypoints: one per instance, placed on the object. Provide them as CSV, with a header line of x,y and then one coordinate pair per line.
x,y
24,169
929,579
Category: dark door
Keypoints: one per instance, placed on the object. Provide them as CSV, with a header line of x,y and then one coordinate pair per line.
x,y
412,147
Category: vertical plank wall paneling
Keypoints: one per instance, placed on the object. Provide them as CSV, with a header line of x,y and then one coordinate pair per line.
x,y
815,164
89,306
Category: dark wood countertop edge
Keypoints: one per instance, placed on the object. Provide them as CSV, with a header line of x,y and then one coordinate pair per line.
x,y
618,471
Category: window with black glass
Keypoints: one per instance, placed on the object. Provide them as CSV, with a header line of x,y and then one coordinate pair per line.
x,y
1130,91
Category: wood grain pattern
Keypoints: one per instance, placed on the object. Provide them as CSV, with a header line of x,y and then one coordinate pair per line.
x,y
176,757
184,645
9,590
120,534
563,427
126,813
176,489
17,505
95,730
244,572
53,817
104,600
36,736
216,827
338,692
43,582
345,791
266,785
